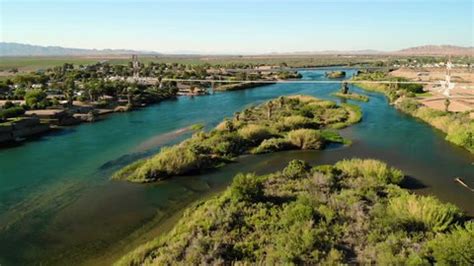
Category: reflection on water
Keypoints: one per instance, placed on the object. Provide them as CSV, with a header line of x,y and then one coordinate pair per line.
x,y
58,206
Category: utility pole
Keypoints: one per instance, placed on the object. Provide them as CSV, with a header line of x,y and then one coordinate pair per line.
x,y
136,67
448,86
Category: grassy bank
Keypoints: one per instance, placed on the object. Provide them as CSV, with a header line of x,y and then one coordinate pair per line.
x,y
352,96
294,122
392,91
458,127
351,212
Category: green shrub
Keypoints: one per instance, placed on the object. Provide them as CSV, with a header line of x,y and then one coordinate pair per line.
x,y
247,187
220,143
197,127
8,105
413,211
296,238
296,169
255,133
370,169
296,122
271,145
174,160
454,248
333,136
36,98
11,112
306,139
461,134
129,172
408,105
412,87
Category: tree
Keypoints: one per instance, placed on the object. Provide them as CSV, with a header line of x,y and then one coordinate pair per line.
x,y
68,89
131,90
237,116
344,88
247,187
35,98
269,109
447,102
281,100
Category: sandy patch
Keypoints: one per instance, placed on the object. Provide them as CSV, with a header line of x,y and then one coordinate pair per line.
x,y
462,96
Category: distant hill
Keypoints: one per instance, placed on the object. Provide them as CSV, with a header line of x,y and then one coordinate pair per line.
x,y
20,49
418,50
437,50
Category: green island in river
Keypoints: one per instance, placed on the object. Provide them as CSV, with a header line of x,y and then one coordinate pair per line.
x,y
353,211
285,123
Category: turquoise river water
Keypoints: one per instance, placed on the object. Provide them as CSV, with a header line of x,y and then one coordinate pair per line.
x,y
58,205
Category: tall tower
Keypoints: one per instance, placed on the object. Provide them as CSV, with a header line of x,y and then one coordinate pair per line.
x,y
448,86
136,67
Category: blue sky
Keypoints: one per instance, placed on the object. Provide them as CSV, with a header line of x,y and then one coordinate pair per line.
x,y
238,26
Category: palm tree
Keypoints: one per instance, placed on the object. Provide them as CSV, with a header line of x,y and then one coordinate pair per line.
x,y
69,88
269,109
130,90
344,88
237,116
281,100
447,102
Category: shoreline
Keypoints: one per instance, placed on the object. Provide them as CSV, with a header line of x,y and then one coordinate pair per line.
x,y
78,118
415,109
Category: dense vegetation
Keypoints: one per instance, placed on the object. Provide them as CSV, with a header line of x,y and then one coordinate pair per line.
x,y
294,122
9,110
352,212
459,128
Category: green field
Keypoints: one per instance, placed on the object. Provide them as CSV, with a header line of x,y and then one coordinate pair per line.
x,y
25,64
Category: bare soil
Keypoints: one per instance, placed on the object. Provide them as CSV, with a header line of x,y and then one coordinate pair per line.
x,y
462,95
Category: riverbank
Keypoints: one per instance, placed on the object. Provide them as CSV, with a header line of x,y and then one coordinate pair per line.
x,y
37,123
285,123
352,211
458,127
240,86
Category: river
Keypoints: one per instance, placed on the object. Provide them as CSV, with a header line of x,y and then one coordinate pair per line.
x,y
58,206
